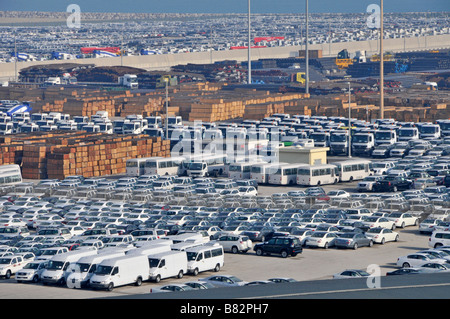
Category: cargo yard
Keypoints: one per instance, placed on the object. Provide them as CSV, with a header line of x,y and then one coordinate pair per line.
x,y
226,172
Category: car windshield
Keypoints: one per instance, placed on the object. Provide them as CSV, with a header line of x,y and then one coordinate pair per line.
x,y
31,266
195,166
103,270
5,261
55,265
374,231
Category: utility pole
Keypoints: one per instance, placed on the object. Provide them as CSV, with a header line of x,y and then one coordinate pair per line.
x,y
307,52
381,63
167,107
349,123
249,80
15,58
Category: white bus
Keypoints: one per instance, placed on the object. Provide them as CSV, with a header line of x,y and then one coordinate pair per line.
x,y
10,175
285,174
164,165
353,170
261,171
315,175
209,165
239,170
136,166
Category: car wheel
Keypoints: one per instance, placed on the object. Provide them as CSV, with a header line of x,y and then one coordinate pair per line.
x,y
158,278
180,274
325,246
110,286
406,265
259,252
416,222
35,279
195,273
437,245
234,250
396,238
8,274
284,253
383,241
393,227
138,281
355,246
371,243
217,268
394,189
403,225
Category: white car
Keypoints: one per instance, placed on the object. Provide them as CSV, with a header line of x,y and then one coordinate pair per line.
x,y
418,260
172,288
366,185
378,222
224,281
321,239
403,219
338,194
235,243
351,273
382,235
436,267
248,191
10,265
427,225
31,271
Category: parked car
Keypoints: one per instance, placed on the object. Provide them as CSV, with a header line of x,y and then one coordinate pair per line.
x,y
283,245
351,273
235,243
382,235
403,219
224,281
321,239
417,260
392,184
171,288
353,240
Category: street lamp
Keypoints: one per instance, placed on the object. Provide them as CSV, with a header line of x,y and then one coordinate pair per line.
x,y
307,52
349,124
166,79
249,48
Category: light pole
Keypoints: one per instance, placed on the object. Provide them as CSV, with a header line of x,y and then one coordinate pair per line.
x,y
349,124
307,52
249,80
167,107
381,63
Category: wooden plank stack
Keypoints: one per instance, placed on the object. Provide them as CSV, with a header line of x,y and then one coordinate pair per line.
x,y
60,154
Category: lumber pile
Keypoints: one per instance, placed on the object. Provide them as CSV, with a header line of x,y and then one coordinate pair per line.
x,y
60,154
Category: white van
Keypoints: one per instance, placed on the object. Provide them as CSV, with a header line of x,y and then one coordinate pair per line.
x,y
150,249
121,271
204,258
86,266
58,266
439,238
168,264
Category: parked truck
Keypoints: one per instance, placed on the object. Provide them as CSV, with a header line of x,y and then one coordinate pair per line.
x,y
363,143
129,80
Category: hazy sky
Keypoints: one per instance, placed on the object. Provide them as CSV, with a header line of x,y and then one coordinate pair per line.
x,y
224,6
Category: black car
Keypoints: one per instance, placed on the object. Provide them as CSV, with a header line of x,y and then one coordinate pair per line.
x,y
392,184
283,245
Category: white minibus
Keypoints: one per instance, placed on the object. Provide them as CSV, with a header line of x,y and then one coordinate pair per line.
x,y
261,171
164,166
239,170
353,170
285,174
136,166
205,258
314,175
